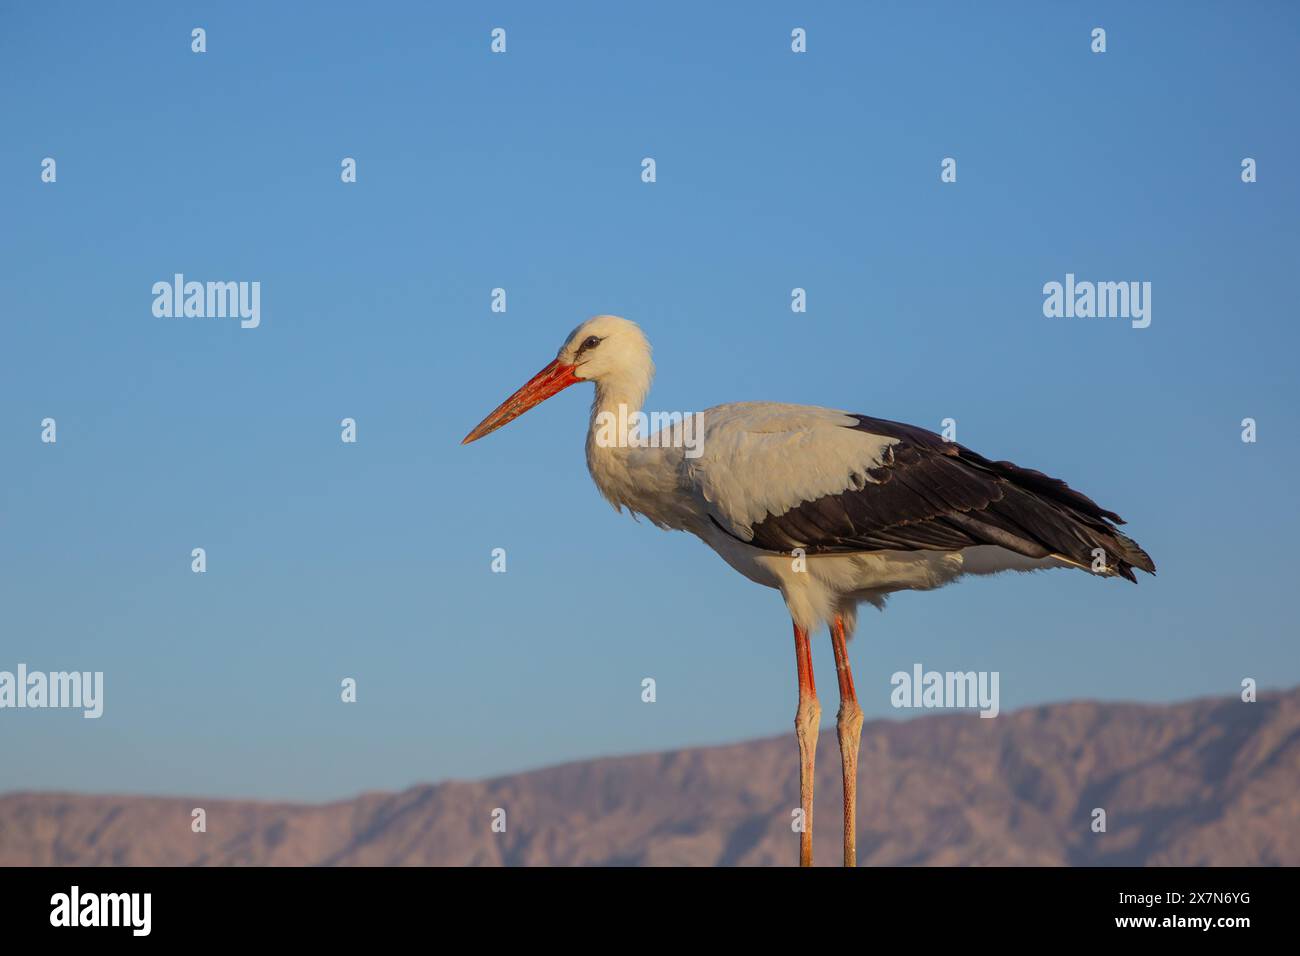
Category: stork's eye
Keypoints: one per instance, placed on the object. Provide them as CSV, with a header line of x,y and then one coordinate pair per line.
x,y
590,343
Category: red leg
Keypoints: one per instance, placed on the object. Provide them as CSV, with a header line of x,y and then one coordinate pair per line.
x,y
806,720
849,727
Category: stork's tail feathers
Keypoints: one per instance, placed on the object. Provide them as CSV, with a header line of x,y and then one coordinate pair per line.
x,y
1075,528
1126,556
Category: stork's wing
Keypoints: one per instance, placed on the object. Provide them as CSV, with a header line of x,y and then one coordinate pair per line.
x,y
782,477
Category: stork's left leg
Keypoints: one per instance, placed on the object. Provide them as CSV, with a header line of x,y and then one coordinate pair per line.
x,y
849,726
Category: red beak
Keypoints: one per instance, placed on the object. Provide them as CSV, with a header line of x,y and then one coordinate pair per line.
x,y
550,380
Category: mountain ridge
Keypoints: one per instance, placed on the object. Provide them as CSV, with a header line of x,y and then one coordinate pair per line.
x,y
1212,781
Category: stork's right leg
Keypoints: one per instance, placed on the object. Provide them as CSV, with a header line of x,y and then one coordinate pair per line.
x,y
806,720
849,726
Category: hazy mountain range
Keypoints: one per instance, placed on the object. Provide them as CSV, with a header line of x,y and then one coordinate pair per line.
x,y
1207,782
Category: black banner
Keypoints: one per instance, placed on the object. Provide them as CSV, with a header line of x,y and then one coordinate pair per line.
x,y
332,905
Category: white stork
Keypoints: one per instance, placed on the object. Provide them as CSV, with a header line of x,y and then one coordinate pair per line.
x,y
874,506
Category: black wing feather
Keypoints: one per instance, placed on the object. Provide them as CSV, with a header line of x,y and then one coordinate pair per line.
x,y
931,494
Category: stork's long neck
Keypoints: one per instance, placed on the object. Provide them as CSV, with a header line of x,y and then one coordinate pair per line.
x,y
613,411
618,467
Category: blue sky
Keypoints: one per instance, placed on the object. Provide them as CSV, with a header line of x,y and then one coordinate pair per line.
x,y
522,171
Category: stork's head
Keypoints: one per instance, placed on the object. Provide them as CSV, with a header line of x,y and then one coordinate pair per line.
x,y
607,350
